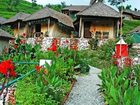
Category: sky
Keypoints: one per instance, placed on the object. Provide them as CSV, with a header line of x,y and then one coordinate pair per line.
x,y
134,3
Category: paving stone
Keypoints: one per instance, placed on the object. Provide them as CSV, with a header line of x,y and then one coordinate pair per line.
x,y
85,91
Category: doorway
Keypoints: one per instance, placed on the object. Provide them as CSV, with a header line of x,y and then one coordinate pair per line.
x,y
87,33
38,28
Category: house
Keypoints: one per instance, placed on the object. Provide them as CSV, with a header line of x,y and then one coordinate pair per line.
x,y
4,39
17,24
131,15
49,22
97,20
2,20
72,10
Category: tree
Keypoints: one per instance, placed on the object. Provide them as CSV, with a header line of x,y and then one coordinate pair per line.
x,y
57,7
63,4
34,3
120,8
128,7
116,2
12,4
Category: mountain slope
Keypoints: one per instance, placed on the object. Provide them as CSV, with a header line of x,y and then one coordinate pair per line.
x,y
24,6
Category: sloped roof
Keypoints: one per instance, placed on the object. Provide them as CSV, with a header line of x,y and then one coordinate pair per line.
x,y
137,29
135,13
5,34
99,9
47,12
75,7
18,16
2,20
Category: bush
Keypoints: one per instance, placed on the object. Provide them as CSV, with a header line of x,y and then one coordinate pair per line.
x,y
119,87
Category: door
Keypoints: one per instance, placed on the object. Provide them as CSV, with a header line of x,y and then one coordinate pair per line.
x,y
38,28
87,33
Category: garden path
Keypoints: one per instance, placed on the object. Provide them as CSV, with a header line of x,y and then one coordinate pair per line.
x,y
85,90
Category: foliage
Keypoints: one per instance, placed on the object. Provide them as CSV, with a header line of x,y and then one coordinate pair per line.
x,y
53,80
137,74
57,7
107,49
119,87
49,84
23,6
93,42
12,5
129,40
116,2
130,25
128,7
34,3
101,57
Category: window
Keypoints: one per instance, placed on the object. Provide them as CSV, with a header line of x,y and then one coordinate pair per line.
x,y
105,35
98,34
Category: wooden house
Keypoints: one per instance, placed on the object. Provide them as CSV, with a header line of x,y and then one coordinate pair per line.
x,y
72,10
131,15
98,20
4,39
49,22
17,24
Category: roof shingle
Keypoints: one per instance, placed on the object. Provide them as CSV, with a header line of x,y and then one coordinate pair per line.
x,y
18,16
47,12
75,7
135,13
2,20
99,9
5,34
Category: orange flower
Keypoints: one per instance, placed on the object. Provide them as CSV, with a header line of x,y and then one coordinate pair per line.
x,y
46,71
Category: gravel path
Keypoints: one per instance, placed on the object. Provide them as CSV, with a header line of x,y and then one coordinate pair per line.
x,y
85,91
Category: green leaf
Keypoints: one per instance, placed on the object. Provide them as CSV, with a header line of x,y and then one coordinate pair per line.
x,y
113,94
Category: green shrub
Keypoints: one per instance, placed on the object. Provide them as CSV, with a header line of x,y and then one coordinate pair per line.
x,y
119,87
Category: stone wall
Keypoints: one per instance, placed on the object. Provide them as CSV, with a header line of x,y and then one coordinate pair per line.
x,y
81,43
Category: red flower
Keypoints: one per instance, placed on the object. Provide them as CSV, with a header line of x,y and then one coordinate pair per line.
x,y
15,46
67,41
7,68
24,35
128,62
22,41
38,68
5,50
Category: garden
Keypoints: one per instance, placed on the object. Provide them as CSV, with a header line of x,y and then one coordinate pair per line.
x,y
33,84
25,81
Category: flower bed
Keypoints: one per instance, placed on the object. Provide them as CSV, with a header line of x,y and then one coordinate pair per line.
x,y
46,84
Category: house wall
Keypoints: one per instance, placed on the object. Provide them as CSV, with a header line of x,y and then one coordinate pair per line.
x,y
22,30
44,28
3,44
104,28
53,31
